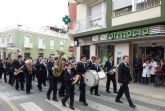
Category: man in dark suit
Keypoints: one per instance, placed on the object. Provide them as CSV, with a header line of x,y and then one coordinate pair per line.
x,y
95,66
69,77
81,69
111,75
20,77
124,77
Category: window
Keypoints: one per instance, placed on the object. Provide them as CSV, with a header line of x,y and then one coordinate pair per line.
x,y
40,41
62,45
9,38
0,40
52,44
122,11
143,4
4,39
27,39
96,13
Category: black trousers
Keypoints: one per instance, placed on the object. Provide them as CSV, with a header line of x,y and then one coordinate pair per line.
x,y
137,76
28,78
19,80
53,81
94,88
5,76
109,79
152,78
69,94
40,80
124,89
62,87
11,75
82,88
145,80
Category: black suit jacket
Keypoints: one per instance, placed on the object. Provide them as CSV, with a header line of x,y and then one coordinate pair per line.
x,y
95,67
68,80
17,64
81,69
108,66
124,75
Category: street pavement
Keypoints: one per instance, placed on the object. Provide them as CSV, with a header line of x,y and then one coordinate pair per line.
x,y
146,98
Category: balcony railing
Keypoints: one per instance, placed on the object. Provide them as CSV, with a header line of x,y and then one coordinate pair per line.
x,y
43,46
28,45
3,45
90,23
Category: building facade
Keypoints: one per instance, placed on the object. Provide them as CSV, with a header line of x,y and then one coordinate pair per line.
x,y
120,27
32,44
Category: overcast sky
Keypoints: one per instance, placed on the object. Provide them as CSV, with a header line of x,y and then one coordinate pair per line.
x,y
35,13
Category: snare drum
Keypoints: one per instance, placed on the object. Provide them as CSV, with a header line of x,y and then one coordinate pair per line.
x,y
91,78
101,74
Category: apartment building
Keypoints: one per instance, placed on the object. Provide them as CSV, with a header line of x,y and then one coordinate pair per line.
x,y
120,27
32,43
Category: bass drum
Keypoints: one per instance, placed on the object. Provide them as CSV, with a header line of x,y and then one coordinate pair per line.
x,y
91,78
101,74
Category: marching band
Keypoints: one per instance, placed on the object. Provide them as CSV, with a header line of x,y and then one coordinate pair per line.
x,y
66,73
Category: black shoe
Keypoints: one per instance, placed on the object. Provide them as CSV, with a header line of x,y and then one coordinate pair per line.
x,y
63,103
85,103
55,100
91,93
28,92
115,92
108,91
118,101
133,106
71,107
97,94
48,97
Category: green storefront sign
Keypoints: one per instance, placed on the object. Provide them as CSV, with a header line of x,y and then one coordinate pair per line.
x,y
128,34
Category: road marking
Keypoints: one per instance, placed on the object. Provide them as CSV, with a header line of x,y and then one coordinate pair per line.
x,y
30,106
139,107
59,106
8,102
97,106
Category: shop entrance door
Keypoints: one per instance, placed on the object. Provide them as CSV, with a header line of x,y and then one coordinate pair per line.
x,y
85,50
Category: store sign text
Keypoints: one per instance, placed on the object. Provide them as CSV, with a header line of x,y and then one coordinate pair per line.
x,y
128,34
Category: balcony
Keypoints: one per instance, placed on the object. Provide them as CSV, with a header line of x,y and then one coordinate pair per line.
x,y
3,45
41,46
90,23
86,1
28,45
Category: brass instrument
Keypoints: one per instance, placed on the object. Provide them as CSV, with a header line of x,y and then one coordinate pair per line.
x,y
76,79
58,65
29,64
18,71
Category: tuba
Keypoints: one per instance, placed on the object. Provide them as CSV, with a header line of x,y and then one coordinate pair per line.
x,y
58,65
29,65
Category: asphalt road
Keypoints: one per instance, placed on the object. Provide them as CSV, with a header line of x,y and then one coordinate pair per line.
x,y
12,100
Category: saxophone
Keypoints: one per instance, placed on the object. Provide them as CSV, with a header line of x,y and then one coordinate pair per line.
x,y
58,65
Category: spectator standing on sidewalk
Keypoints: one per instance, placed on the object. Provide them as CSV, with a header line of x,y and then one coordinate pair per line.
x,y
146,73
152,67
158,74
163,72
124,78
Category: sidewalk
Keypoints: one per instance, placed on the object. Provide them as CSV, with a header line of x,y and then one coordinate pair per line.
x,y
143,90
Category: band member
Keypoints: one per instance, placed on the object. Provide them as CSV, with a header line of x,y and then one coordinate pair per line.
x,y
62,81
90,62
1,68
52,80
68,77
45,73
10,70
124,77
81,69
40,67
111,76
19,78
28,75
5,70
95,66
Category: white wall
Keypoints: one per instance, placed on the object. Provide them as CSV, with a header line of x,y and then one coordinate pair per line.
x,y
137,16
77,53
85,41
121,49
